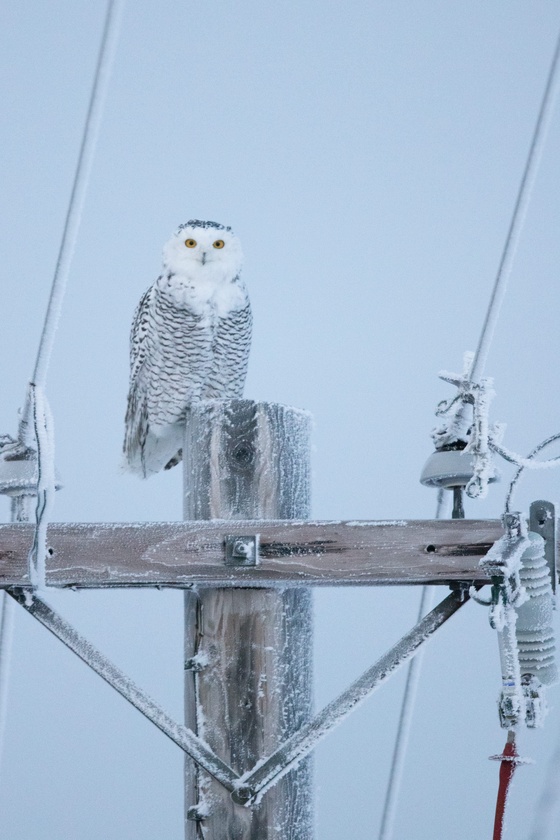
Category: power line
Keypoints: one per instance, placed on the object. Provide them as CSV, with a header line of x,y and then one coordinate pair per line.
x,y
518,218
408,703
527,462
472,387
36,429
79,188
29,427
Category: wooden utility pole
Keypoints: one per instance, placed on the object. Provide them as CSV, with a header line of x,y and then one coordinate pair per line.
x,y
247,651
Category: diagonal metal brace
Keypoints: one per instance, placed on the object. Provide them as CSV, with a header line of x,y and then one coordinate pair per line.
x,y
257,781
185,738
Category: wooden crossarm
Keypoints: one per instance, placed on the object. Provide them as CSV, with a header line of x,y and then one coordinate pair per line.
x,y
312,553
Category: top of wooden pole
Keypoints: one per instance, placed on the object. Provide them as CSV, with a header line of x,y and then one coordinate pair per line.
x,y
246,460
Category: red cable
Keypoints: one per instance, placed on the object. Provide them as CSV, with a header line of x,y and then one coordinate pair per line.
x,y
509,761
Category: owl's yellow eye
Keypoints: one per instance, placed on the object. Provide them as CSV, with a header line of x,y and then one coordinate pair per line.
x,y
190,243
219,243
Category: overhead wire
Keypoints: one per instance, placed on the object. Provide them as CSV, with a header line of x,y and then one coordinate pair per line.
x,y
518,217
474,376
35,429
408,702
509,757
6,634
527,462
80,186
514,231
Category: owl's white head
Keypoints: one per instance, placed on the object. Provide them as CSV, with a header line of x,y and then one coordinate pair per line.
x,y
205,251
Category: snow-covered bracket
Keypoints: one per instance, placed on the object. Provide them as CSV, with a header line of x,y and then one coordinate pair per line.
x,y
249,788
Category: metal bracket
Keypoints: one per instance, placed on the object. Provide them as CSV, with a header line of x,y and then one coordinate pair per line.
x,y
242,550
185,738
501,564
543,521
265,773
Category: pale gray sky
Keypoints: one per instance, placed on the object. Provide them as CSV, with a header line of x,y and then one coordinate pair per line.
x,y
368,155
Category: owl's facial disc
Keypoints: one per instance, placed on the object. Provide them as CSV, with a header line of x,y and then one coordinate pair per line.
x,y
206,249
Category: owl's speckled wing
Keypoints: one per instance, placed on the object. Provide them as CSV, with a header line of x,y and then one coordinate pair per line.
x,y
136,420
138,333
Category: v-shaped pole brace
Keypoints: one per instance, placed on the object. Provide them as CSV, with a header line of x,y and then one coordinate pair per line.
x,y
256,782
248,788
185,738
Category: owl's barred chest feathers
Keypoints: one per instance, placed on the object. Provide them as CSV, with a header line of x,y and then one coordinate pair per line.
x,y
212,296
190,341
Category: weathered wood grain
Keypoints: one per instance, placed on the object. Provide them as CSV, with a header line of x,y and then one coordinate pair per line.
x,y
184,554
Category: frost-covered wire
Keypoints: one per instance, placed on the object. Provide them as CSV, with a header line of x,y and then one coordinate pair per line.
x,y
79,189
518,217
36,428
528,462
408,701
20,513
404,727
6,633
36,422
456,423
524,463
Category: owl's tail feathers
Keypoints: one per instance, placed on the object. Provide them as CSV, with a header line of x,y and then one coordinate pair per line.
x,y
148,449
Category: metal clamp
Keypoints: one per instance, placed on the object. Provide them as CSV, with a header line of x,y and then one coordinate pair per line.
x,y
242,550
502,564
543,521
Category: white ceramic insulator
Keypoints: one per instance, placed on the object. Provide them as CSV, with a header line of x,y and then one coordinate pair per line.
x,y
535,636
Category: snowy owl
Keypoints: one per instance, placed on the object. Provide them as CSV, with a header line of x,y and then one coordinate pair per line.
x,y
190,341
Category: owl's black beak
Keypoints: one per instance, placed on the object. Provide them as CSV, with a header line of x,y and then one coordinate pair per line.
x,y
203,257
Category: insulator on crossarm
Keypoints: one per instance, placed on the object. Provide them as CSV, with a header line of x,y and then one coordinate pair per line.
x,y
535,635
452,468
